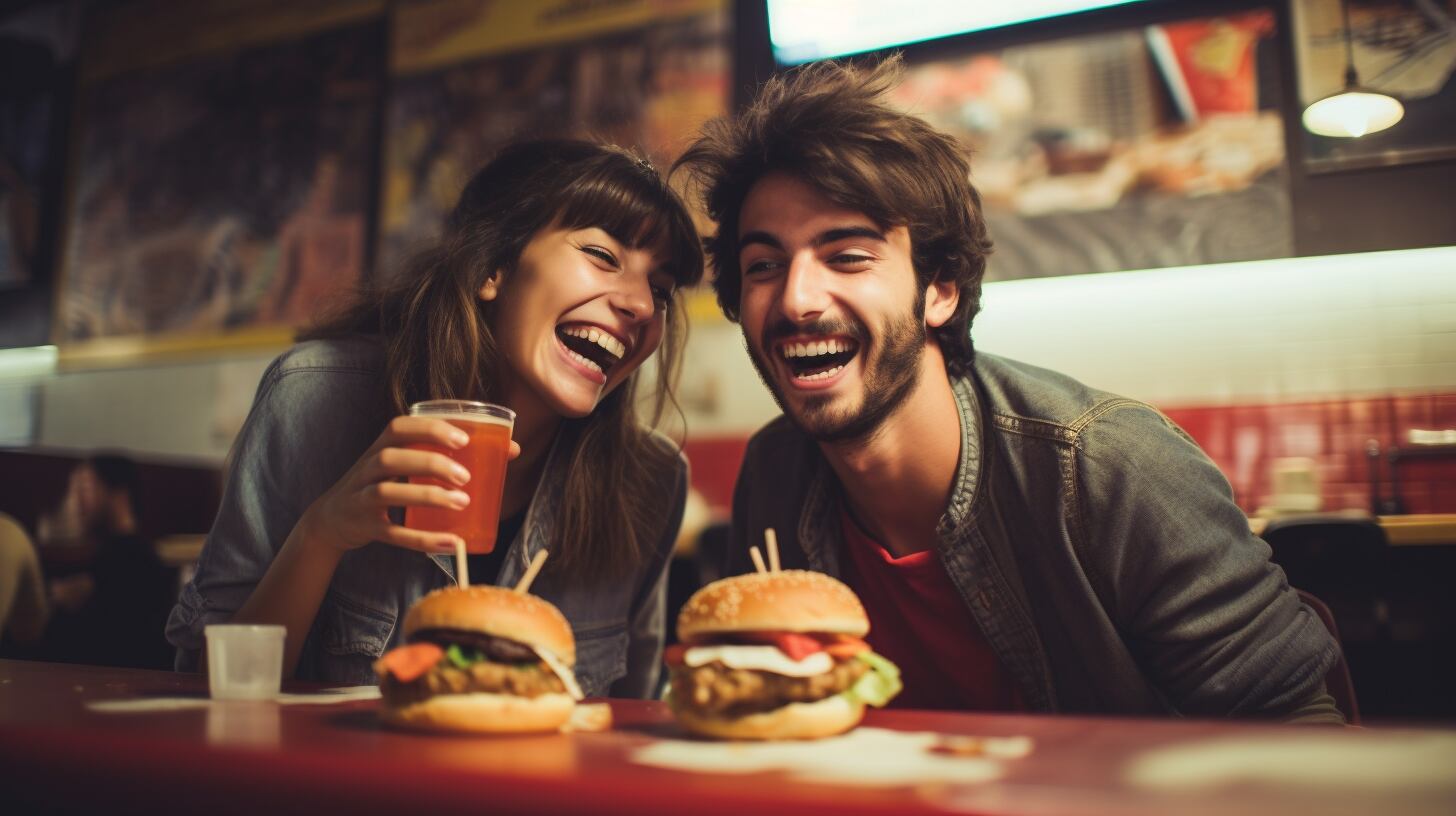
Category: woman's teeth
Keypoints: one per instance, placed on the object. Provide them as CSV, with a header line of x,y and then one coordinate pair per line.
x,y
584,361
610,344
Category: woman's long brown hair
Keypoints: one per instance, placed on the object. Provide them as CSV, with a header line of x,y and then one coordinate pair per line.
x,y
439,344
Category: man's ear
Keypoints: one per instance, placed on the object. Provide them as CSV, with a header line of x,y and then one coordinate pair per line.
x,y
941,298
491,288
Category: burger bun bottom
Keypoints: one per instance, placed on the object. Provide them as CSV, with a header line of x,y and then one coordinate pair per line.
x,y
822,718
483,713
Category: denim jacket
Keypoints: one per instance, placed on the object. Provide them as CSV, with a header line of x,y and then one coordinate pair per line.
x,y
1098,549
318,408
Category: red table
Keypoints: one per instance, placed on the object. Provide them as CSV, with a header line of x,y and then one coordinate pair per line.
x,y
57,755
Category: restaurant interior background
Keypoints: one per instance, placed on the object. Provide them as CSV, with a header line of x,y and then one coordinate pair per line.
x,y
179,191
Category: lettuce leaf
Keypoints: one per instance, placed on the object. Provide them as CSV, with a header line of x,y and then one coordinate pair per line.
x,y
462,658
877,686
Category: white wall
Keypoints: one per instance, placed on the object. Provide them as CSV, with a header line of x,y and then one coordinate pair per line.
x,y
1265,331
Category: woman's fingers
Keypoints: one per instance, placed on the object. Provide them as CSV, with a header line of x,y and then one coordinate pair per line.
x,y
392,463
404,494
421,540
413,430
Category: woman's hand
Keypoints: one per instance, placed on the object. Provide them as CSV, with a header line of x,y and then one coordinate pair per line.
x,y
355,511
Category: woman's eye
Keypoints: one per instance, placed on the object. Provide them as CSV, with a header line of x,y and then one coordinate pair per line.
x,y
601,254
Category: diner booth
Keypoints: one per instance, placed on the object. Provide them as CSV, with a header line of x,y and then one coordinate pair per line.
x,y
185,187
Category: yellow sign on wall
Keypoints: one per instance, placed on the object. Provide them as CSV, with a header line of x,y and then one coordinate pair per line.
x,y
433,33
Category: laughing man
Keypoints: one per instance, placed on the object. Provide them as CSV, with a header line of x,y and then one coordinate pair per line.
x,y
1020,541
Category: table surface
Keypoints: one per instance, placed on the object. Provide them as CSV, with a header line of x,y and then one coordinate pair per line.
x,y
57,753
1414,529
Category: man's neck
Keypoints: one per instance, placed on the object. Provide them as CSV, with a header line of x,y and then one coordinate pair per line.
x,y
898,480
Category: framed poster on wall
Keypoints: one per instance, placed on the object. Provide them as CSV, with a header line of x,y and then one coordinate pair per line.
x,y
471,76
1141,148
218,190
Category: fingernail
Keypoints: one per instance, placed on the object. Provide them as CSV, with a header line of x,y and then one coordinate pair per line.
x,y
459,438
459,498
460,473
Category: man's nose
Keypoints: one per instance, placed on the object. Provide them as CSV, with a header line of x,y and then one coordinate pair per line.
x,y
805,296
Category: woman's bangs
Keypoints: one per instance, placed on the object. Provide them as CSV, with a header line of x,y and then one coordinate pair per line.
x,y
639,213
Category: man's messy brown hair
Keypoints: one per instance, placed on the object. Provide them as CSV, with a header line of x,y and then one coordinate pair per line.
x,y
828,124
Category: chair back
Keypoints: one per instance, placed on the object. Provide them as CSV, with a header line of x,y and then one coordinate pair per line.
x,y
1340,560
1337,680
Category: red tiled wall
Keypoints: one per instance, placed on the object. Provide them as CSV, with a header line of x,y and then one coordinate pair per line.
x,y
1243,440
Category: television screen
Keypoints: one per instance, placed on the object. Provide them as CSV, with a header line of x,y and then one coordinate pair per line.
x,y
806,30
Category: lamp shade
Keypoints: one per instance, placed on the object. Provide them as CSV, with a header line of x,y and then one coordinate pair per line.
x,y
1352,113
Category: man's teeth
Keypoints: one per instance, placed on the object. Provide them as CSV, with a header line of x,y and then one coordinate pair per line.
x,y
584,361
612,345
815,348
821,375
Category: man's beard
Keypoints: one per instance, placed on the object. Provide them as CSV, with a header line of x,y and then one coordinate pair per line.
x,y
888,379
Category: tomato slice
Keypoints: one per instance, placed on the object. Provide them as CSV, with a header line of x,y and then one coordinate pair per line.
x,y
409,663
673,655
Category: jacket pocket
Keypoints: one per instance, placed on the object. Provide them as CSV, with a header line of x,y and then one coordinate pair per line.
x,y
601,657
351,637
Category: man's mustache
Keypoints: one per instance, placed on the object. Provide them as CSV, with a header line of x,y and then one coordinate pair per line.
x,y
782,328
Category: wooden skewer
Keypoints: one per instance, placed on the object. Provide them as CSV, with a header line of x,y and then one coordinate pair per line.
x,y
525,583
772,542
757,559
462,565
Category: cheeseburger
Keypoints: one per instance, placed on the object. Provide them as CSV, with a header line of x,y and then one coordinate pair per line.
x,y
775,655
481,659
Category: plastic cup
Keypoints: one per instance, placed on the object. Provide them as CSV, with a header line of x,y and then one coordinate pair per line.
x,y
485,456
244,661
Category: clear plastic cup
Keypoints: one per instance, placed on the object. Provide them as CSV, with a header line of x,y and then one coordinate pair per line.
x,y
244,661
489,427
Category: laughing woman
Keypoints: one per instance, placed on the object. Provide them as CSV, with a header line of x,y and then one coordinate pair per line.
x,y
550,286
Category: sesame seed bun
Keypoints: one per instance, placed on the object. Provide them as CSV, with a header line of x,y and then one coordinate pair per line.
x,y
495,611
822,718
785,601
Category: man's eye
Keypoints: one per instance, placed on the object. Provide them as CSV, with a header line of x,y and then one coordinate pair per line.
x,y
761,267
850,259
601,254
662,294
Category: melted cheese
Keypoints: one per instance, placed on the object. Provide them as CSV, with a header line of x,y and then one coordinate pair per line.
x,y
759,658
568,678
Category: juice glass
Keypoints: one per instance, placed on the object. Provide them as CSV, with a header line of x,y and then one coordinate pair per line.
x,y
489,427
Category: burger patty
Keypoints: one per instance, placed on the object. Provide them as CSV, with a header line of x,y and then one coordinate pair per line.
x,y
521,679
714,689
503,650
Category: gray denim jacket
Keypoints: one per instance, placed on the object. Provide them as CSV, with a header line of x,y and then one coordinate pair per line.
x,y
318,408
1097,547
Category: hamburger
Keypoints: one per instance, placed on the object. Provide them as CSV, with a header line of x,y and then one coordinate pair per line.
x,y
481,659
775,655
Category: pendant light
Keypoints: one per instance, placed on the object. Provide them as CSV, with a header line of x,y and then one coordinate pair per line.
x,y
1354,111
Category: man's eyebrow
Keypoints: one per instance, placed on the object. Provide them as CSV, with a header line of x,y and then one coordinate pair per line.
x,y
759,237
841,233
826,237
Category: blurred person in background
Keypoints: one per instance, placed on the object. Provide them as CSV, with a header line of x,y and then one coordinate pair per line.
x,y
553,281
1020,541
111,592
23,605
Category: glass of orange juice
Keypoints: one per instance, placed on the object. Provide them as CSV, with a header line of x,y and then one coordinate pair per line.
x,y
484,456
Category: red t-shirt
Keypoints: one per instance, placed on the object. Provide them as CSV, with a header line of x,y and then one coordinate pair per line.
x,y
918,621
